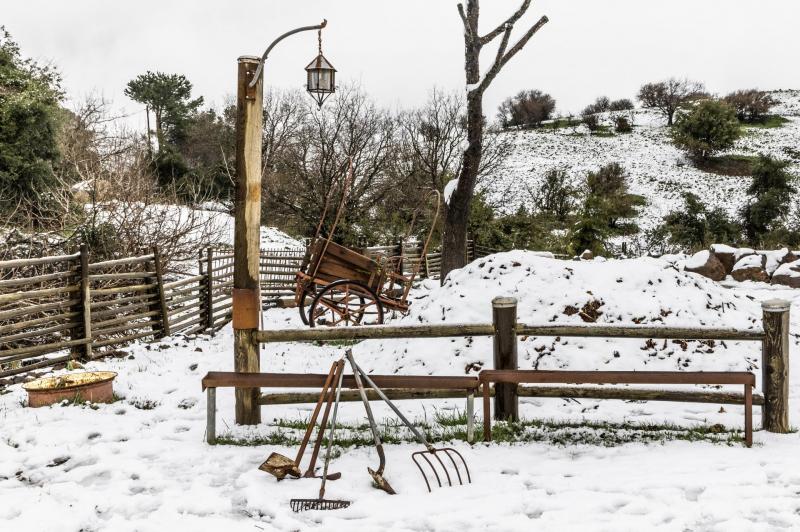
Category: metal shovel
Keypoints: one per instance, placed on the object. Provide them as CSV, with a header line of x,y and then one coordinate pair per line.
x,y
430,450
377,475
279,465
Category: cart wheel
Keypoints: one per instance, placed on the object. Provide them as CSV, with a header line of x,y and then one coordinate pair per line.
x,y
345,302
301,306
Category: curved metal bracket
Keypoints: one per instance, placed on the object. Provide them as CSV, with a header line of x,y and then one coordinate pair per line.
x,y
260,68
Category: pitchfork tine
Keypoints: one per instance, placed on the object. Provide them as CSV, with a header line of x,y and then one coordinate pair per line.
x,y
447,453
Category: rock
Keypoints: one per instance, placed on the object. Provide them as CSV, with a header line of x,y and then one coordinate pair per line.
x,y
706,264
751,268
776,258
788,274
587,255
726,255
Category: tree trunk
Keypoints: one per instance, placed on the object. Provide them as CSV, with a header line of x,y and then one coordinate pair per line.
x,y
454,237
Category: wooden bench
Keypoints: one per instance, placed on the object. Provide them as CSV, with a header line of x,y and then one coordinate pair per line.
x,y
744,378
394,386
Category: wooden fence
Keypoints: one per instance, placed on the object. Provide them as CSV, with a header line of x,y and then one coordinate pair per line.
x,y
62,308
774,366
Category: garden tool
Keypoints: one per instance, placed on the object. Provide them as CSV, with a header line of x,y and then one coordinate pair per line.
x,y
377,475
430,451
321,503
280,465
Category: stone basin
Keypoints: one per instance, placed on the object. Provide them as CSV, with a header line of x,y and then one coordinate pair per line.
x,y
92,386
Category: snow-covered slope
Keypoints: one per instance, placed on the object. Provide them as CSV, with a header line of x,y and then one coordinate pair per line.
x,y
658,171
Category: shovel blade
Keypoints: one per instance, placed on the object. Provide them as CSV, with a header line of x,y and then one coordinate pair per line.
x,y
279,466
380,482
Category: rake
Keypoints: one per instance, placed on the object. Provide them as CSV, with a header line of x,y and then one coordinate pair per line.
x,y
321,503
430,451
279,465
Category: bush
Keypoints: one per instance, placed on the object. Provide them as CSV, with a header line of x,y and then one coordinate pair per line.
x,y
771,191
694,227
528,109
622,125
623,104
609,187
556,195
710,127
600,105
670,95
591,122
751,105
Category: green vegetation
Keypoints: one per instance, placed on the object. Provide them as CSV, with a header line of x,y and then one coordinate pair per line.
x,y
30,117
732,165
695,227
711,126
764,216
768,122
452,427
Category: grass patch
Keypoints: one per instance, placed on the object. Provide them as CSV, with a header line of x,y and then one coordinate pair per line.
x,y
768,122
730,165
337,343
602,131
447,426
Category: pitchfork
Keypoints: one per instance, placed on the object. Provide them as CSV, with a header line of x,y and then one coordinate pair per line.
x,y
430,450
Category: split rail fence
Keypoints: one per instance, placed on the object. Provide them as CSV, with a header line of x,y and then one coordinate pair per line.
x,y
774,366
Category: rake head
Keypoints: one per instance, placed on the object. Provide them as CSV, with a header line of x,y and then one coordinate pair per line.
x,y
301,505
431,460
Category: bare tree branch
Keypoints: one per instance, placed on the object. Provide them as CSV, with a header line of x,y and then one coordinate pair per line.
x,y
503,57
486,39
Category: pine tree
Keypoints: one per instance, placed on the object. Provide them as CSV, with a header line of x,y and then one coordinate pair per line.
x,y
772,191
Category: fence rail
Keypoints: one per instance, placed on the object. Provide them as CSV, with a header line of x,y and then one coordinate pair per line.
x,y
62,308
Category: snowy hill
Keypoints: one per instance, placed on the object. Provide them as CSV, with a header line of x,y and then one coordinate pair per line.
x,y
658,171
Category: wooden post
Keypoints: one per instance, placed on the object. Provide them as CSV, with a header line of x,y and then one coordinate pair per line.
x,y
86,302
211,415
471,416
162,298
247,217
504,320
209,291
775,366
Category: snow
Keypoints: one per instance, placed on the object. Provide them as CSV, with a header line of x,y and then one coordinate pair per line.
x,y
122,466
789,269
449,188
748,261
658,171
698,260
723,248
774,259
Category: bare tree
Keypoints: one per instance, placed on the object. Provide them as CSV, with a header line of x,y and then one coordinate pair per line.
x,y
312,162
670,95
454,238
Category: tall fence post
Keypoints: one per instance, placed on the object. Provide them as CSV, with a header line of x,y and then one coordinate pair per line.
x,y
162,297
775,366
504,320
246,239
209,291
86,302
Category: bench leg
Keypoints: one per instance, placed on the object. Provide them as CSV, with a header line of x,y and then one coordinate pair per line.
x,y
487,414
471,416
748,415
211,415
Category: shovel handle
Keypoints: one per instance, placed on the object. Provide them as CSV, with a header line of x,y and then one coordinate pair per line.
x,y
396,410
313,421
332,429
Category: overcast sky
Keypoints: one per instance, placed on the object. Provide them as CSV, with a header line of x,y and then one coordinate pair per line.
x,y
399,50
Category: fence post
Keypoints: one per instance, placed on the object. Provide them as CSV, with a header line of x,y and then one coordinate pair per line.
x,y
775,366
209,291
162,297
504,320
86,302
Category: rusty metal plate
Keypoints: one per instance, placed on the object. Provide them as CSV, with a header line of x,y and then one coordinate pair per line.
x,y
245,308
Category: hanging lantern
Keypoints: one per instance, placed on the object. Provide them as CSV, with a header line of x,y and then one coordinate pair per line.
x,y
321,76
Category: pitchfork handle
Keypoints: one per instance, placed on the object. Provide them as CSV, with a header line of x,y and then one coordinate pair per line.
x,y
396,410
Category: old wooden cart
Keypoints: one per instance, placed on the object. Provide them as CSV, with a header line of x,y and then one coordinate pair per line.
x,y
337,285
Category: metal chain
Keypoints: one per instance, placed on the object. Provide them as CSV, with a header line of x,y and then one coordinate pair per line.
x,y
319,39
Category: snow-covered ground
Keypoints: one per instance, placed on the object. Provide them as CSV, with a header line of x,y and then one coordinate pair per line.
x,y
141,462
658,171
